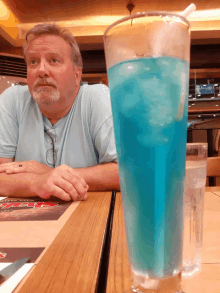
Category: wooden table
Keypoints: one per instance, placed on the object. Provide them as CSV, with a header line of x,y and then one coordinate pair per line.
x,y
207,281
72,262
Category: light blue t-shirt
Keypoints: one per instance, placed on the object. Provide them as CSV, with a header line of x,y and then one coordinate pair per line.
x,y
83,138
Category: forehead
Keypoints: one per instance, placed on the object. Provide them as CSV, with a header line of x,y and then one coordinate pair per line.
x,y
48,44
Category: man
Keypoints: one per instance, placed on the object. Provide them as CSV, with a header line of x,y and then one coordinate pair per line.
x,y
56,137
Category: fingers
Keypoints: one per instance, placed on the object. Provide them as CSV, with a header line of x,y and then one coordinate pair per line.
x,y
15,170
75,174
75,192
66,184
75,185
55,191
12,168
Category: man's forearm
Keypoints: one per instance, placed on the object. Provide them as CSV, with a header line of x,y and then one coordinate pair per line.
x,y
62,182
17,185
101,177
24,167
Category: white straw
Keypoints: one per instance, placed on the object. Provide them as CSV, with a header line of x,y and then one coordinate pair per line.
x,y
191,8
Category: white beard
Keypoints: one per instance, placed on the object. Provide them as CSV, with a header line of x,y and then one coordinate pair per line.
x,y
46,95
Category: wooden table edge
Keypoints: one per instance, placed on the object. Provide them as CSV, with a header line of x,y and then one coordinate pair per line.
x,y
26,286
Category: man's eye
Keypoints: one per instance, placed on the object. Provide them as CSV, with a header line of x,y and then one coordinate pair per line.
x,y
32,62
54,60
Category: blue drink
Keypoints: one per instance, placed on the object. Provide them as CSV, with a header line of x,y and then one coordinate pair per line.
x,y
149,105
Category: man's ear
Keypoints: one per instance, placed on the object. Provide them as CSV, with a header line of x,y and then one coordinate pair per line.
x,y
78,75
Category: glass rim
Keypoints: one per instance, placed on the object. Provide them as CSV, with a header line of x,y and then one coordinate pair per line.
x,y
146,13
196,146
196,143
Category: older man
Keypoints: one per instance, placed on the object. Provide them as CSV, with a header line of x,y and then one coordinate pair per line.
x,y
56,137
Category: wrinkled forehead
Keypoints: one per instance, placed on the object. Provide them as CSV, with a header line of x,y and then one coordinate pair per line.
x,y
48,43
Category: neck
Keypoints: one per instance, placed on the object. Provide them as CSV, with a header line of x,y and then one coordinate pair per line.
x,y
55,115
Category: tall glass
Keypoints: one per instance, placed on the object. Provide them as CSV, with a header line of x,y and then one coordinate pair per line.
x,y
147,56
195,181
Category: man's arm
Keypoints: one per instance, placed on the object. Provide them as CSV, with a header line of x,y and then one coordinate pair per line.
x,y
101,177
11,167
19,184
62,182
9,185
6,160
16,185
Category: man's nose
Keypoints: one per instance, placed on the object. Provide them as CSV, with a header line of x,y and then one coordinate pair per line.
x,y
43,69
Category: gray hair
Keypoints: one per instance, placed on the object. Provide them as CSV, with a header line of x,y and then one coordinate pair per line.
x,y
53,29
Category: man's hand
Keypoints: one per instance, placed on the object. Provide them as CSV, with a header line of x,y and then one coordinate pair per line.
x,y
62,182
24,167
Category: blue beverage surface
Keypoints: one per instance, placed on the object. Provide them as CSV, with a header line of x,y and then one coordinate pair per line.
x,y
149,99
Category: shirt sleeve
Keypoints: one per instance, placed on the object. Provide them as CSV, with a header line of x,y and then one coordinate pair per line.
x,y
101,124
8,124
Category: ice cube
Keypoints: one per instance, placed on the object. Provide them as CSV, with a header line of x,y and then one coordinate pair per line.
x,y
156,96
125,72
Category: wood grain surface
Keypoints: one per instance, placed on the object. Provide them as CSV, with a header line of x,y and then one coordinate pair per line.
x,y
208,281
119,274
71,263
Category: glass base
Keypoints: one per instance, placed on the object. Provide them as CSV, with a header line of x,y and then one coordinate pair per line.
x,y
190,269
149,285
136,290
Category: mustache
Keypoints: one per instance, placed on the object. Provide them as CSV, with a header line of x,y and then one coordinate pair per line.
x,y
44,81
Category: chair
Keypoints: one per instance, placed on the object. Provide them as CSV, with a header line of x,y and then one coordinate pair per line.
x,y
213,166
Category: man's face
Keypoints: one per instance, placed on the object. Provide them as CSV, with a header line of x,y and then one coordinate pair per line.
x,y
51,75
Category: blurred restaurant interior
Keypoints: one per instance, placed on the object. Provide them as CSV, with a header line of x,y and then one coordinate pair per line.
x,y
88,19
